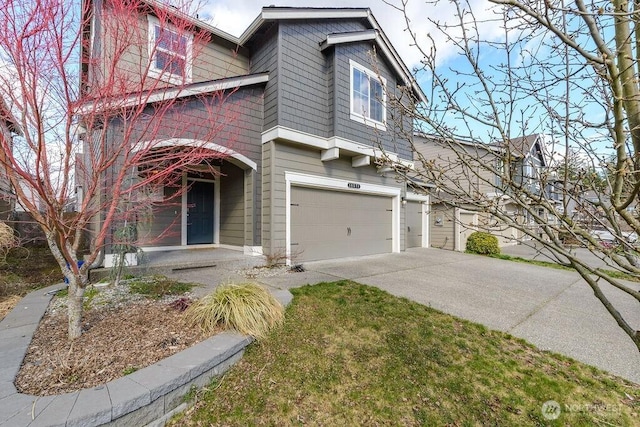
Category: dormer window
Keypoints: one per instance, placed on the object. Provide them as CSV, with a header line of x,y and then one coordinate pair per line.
x,y
169,53
368,98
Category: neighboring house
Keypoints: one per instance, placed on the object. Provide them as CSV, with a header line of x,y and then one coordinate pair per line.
x,y
464,170
8,128
305,180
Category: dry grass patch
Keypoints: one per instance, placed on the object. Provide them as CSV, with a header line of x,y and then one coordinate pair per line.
x,y
7,304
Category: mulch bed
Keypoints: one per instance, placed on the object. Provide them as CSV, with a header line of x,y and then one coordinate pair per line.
x,y
116,341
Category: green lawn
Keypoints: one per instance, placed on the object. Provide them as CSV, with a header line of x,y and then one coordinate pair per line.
x,y
349,354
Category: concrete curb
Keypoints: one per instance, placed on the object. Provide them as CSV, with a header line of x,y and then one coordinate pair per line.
x,y
146,397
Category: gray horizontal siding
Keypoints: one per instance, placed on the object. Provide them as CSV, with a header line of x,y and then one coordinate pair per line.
x,y
212,58
442,236
467,168
162,226
231,205
264,58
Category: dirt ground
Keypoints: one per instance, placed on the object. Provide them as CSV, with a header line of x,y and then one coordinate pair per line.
x,y
7,303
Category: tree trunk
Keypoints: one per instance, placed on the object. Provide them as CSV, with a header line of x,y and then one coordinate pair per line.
x,y
75,300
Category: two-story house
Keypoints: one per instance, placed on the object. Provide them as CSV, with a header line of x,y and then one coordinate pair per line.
x,y
8,128
303,176
468,181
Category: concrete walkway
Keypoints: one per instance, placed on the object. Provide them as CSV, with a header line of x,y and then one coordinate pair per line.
x,y
553,309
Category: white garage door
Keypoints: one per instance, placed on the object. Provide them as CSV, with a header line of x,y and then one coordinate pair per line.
x,y
332,224
413,217
468,223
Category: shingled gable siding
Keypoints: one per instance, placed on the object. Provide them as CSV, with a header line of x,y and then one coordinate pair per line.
x,y
361,53
309,90
305,80
264,58
283,157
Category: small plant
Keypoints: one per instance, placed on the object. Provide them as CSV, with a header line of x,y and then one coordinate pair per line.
x,y
181,304
248,308
482,243
279,257
276,258
158,286
129,370
89,296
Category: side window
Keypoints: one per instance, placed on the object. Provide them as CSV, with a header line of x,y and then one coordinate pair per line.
x,y
169,53
368,97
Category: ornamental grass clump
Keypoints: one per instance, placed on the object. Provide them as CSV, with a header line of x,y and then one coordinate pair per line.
x,y
248,308
8,240
482,243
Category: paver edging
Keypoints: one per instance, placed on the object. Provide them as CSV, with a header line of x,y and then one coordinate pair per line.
x,y
146,397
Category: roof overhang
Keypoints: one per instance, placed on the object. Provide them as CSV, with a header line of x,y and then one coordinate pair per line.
x,y
350,37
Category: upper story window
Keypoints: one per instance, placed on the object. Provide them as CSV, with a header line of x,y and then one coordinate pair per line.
x,y
368,98
169,53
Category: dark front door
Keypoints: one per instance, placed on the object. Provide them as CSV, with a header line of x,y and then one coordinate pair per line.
x,y
200,213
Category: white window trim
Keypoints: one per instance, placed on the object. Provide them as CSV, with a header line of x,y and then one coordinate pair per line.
x,y
356,115
153,47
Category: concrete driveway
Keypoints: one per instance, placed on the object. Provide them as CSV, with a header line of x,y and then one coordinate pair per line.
x,y
553,309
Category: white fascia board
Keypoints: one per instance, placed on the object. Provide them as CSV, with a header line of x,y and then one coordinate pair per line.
x,y
175,93
351,37
394,158
285,13
276,14
292,135
399,67
354,147
415,197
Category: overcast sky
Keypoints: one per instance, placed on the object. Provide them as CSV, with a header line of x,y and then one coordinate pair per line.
x,y
234,16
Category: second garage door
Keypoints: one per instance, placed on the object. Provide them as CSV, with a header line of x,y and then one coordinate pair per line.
x,y
332,224
413,217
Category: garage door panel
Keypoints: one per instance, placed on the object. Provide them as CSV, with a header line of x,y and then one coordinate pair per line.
x,y
413,218
330,224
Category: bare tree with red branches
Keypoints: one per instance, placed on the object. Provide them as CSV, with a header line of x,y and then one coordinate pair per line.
x,y
120,133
